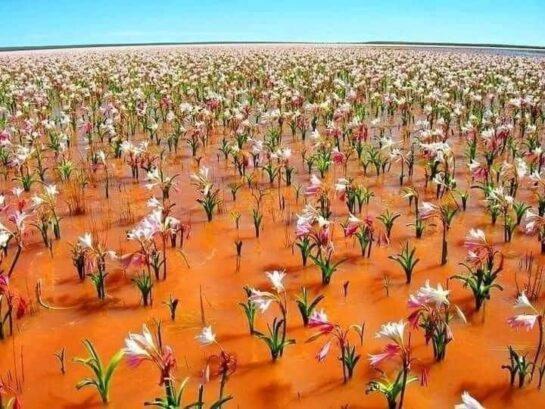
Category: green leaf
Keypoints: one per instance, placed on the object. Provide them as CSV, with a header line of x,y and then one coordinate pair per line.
x,y
86,382
220,402
114,362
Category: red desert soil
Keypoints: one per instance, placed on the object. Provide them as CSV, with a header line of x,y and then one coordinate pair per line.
x,y
473,361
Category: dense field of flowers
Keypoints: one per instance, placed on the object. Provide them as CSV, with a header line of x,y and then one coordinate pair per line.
x,y
271,227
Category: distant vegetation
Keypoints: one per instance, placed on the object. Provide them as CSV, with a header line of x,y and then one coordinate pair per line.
x,y
392,43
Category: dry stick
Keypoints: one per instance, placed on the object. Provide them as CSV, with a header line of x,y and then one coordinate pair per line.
x,y
60,355
237,266
163,236
38,290
539,345
278,189
362,333
404,384
286,234
203,319
345,288
17,381
184,256
386,284
19,249
28,294
22,366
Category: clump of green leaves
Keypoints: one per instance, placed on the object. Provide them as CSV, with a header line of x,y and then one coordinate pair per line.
x,y
407,260
102,375
307,306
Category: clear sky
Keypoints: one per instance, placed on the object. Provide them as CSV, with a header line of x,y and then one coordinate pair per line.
x,y
59,22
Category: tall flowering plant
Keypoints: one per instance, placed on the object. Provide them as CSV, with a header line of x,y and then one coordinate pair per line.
x,y
158,224
12,306
433,312
95,259
276,339
483,266
158,178
17,233
146,347
46,203
528,320
209,199
313,233
221,365
445,213
535,224
335,335
354,195
397,349
319,190
363,230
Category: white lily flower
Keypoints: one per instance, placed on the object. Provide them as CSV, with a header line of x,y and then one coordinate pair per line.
x,y
206,337
523,302
393,331
276,278
86,240
468,402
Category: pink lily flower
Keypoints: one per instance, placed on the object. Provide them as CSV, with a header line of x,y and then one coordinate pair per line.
x,y
526,321
324,350
390,351
318,319
315,186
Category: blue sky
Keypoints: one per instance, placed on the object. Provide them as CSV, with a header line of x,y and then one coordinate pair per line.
x,y
47,22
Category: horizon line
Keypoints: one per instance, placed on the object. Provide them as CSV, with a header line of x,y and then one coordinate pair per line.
x,y
537,48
